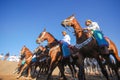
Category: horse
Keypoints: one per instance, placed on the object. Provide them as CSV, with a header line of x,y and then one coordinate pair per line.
x,y
88,47
43,59
55,53
27,55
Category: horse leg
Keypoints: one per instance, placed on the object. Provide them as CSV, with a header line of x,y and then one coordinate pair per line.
x,y
52,67
102,68
71,68
19,75
113,66
38,75
75,71
80,65
61,68
29,73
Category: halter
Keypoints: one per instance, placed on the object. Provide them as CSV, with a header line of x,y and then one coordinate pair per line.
x,y
69,28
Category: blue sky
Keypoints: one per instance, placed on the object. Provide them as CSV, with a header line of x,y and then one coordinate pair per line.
x,y
21,21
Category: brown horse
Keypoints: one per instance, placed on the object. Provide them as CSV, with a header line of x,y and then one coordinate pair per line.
x,y
27,55
43,59
88,47
55,53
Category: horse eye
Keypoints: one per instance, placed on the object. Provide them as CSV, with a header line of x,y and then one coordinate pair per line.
x,y
67,20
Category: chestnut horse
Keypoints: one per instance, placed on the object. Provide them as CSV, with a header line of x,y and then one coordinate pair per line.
x,y
27,54
88,47
43,59
55,53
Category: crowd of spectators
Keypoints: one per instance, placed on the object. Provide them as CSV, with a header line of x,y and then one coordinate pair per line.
x,y
8,57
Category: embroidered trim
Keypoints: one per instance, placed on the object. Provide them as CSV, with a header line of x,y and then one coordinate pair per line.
x,y
43,59
84,43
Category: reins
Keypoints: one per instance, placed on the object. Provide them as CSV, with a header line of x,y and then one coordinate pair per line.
x,y
72,31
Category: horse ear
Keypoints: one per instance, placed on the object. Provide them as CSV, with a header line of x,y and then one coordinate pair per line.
x,y
73,15
24,46
44,29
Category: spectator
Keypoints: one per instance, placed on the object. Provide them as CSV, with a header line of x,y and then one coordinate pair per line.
x,y
1,56
6,56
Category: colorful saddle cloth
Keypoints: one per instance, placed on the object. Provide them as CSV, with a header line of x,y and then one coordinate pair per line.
x,y
100,38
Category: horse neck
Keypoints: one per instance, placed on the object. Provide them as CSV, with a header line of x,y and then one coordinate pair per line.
x,y
80,35
51,41
28,53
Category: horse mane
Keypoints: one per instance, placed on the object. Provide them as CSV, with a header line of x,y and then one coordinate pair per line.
x,y
28,49
52,36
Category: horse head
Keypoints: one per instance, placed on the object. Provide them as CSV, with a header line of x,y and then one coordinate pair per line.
x,y
23,51
72,22
69,22
42,37
45,36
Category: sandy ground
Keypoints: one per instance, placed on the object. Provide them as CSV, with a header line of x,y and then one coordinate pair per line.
x,y
7,68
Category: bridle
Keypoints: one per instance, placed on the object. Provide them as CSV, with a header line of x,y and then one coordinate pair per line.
x,y
69,28
43,34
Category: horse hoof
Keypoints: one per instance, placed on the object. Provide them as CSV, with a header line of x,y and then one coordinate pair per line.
x,y
18,77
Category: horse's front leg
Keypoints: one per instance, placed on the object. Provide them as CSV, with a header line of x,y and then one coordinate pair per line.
x,y
61,68
73,70
29,73
80,65
81,73
52,67
19,75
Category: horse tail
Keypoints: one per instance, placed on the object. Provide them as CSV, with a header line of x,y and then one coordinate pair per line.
x,y
113,49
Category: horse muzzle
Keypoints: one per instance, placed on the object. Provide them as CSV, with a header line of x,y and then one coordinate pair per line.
x,y
63,24
38,41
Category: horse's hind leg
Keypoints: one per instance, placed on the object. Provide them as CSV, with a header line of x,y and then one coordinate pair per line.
x,y
19,75
115,68
112,65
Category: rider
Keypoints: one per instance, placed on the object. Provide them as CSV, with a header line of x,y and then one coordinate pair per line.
x,y
65,44
97,33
